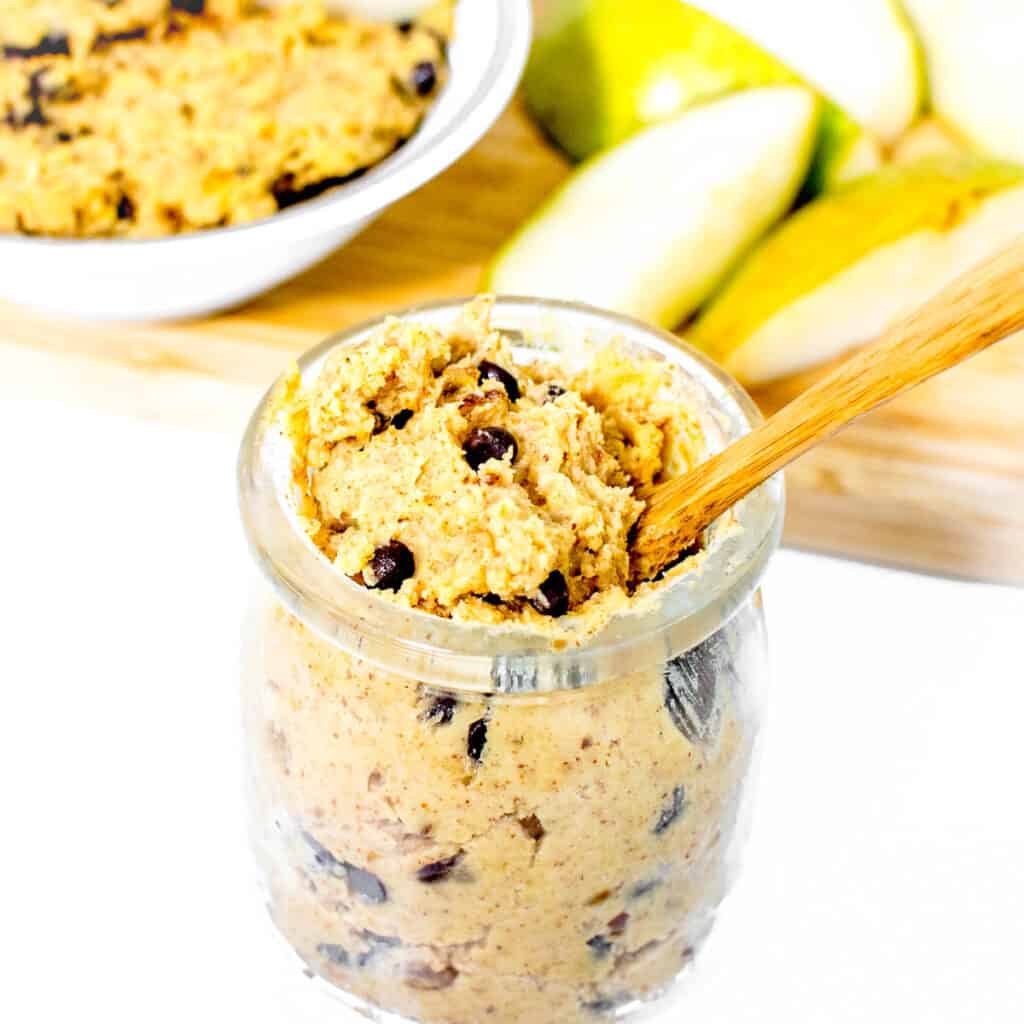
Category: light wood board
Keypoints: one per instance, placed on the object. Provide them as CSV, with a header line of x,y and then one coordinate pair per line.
x,y
934,482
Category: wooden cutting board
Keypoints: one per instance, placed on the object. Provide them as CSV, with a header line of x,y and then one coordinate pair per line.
x,y
933,482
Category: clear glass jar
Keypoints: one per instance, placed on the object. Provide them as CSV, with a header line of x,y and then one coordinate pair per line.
x,y
459,824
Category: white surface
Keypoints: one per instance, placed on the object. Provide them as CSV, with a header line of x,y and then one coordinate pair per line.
x,y
883,880
210,270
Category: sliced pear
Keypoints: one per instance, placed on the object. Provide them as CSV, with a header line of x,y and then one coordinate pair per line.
x,y
602,69
863,54
975,56
929,138
844,153
841,269
650,226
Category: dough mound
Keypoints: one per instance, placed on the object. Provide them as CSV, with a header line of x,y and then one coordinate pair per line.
x,y
512,486
140,118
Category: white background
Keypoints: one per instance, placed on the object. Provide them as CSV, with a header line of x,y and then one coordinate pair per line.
x,y
885,876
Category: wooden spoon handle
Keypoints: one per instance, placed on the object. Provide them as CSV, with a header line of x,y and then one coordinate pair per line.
x,y
979,308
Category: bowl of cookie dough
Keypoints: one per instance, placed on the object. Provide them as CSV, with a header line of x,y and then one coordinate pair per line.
x,y
117,256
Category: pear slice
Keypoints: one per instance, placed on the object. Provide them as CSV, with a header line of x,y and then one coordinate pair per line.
x,y
602,69
844,267
929,138
650,227
975,56
862,54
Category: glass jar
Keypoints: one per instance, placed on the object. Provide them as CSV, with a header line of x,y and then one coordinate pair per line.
x,y
459,824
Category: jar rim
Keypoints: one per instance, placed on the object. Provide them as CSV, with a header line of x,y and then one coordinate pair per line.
x,y
459,655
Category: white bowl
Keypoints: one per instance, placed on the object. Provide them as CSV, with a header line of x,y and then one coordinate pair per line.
x,y
187,275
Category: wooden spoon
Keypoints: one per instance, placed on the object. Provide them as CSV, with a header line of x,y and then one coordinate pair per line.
x,y
980,308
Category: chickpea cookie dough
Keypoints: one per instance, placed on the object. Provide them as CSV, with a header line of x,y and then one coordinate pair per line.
x,y
439,473
457,858
146,118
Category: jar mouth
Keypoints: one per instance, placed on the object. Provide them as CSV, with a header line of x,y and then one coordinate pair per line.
x,y
481,658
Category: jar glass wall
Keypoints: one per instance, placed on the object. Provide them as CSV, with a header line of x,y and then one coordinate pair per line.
x,y
460,823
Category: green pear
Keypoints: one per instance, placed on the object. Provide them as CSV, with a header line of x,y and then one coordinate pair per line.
x,y
975,56
651,226
863,55
602,69
840,270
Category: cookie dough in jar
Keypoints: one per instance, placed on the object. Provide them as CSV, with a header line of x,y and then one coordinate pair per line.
x,y
490,779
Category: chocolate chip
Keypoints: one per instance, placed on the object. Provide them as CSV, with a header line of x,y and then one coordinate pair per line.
x,y
188,6
392,564
376,944
486,443
552,597
64,136
334,953
617,925
599,946
324,858
643,888
425,977
400,418
424,78
360,881
439,869
492,371
285,194
366,884
104,40
51,45
405,27
606,1005
35,93
476,739
554,391
441,710
671,812
691,688
380,422
125,208
532,826
492,599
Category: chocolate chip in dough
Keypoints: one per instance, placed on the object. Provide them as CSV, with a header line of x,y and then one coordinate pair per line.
x,y
125,208
492,371
476,739
533,827
438,870
554,391
286,194
104,40
333,953
188,6
671,812
486,443
617,925
441,710
424,78
599,946
392,564
425,977
691,687
400,418
552,597
51,45
365,884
